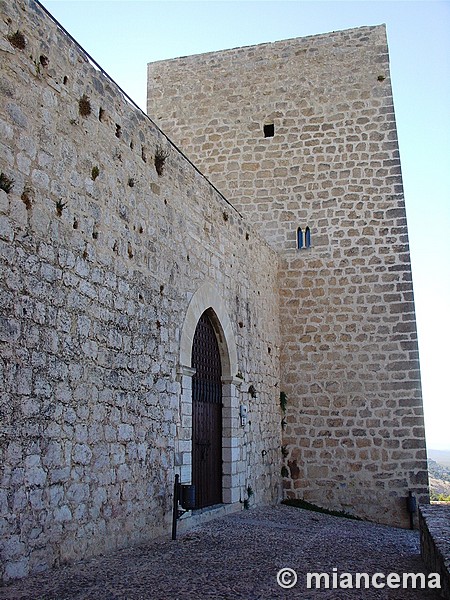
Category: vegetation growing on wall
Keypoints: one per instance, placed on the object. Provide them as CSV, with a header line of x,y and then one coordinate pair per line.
x,y
17,40
161,156
26,198
60,205
84,106
298,503
6,183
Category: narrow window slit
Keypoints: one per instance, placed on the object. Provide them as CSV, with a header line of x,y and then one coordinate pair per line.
x,y
299,238
307,237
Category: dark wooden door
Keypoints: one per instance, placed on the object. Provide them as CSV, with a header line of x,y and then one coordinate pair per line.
x,y
206,415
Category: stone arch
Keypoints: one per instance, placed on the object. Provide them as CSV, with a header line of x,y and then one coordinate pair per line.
x,y
207,297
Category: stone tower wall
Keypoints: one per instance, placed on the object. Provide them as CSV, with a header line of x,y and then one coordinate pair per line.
x,y
102,259
350,367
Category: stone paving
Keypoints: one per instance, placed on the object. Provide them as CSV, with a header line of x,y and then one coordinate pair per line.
x,y
238,557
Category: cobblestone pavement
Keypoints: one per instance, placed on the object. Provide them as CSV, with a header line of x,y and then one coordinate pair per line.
x,y
238,557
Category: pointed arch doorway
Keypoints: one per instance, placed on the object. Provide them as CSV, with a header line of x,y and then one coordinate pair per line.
x,y
206,414
207,299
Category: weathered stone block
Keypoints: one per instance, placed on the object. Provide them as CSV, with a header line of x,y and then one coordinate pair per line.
x,y
4,202
82,454
16,569
62,514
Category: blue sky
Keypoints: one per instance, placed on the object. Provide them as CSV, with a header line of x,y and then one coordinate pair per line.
x,y
123,36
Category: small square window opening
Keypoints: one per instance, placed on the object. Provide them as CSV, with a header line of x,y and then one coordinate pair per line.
x,y
269,130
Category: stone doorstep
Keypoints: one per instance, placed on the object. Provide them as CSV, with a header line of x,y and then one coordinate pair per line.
x,y
434,524
203,515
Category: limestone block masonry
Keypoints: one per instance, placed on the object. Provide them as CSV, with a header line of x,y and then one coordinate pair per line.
x,y
300,136
434,524
107,262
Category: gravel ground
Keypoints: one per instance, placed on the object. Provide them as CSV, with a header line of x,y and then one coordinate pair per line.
x,y
238,557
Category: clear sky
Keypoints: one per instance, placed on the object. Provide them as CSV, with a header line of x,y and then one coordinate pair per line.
x,y
124,35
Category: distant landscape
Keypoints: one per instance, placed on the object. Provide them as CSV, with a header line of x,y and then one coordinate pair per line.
x,y
439,474
440,456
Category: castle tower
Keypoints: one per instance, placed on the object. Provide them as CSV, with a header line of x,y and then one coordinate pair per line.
x,y
300,136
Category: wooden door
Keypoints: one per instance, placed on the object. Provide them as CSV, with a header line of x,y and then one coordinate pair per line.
x,y
206,415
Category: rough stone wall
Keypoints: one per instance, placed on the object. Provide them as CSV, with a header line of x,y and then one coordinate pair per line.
x,y
434,524
100,257
350,367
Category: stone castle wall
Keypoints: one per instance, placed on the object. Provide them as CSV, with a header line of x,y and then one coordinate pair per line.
x,y
350,367
104,263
